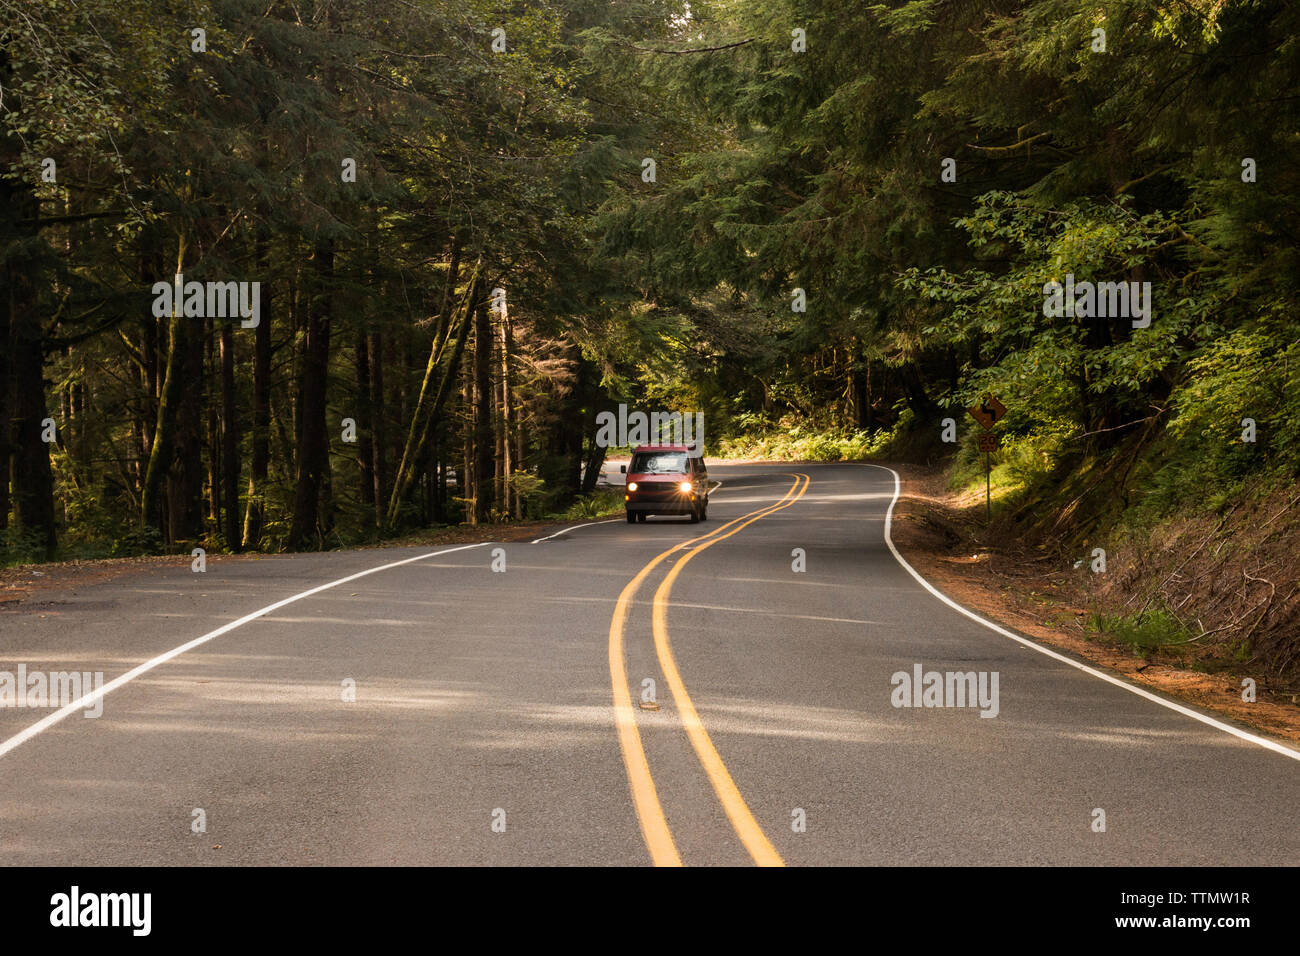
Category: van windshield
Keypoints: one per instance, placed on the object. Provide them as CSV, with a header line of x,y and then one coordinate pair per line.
x,y
658,463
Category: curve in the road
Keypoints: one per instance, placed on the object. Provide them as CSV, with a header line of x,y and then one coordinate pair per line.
x,y
645,797
738,812
87,701
1092,671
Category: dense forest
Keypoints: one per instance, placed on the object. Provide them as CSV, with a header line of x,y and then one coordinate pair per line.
x,y
424,242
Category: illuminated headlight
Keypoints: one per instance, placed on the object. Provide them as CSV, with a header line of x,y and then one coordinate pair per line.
x,y
685,486
631,486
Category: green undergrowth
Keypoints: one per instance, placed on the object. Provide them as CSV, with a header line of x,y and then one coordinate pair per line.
x,y
1156,628
795,441
599,504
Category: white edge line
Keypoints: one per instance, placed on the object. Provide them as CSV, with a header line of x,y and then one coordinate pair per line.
x,y
575,527
88,699
1101,675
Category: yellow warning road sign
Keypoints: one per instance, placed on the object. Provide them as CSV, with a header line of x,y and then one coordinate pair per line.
x,y
989,412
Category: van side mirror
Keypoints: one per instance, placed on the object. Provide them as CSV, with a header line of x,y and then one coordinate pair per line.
x,y
623,469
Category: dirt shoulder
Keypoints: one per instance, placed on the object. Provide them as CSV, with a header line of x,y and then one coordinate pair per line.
x,y
1042,597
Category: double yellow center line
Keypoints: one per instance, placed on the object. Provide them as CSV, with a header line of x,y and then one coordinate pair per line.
x,y
654,826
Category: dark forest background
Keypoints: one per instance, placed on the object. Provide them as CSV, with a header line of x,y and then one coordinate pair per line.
x,y
796,145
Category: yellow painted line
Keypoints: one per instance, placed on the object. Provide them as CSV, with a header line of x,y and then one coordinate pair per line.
x,y
649,811
738,812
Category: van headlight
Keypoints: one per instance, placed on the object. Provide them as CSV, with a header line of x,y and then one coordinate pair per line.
x,y
631,486
685,487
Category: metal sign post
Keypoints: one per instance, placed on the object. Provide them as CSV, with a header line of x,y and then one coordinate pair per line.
x,y
988,413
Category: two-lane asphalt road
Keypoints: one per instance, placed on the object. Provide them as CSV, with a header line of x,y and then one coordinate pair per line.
x,y
499,718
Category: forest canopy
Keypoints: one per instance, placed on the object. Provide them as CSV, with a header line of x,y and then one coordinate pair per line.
x,y
429,241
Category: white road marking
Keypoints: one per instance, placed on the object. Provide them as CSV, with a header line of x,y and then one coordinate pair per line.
x,y
1100,675
589,524
88,700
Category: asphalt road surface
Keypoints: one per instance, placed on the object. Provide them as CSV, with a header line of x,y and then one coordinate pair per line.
x,y
499,717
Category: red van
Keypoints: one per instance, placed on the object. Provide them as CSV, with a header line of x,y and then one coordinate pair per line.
x,y
666,480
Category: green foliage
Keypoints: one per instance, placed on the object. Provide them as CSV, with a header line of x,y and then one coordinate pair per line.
x,y
598,504
802,443
532,491
20,547
1245,374
1156,628
777,170
134,540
